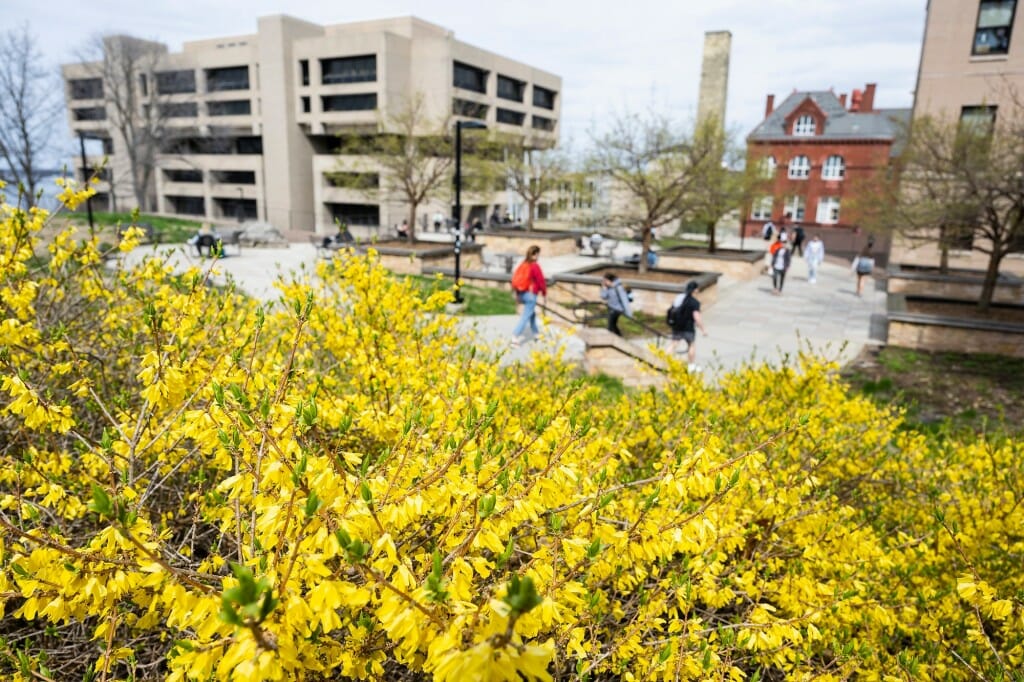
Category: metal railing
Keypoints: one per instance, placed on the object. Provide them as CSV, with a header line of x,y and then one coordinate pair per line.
x,y
586,310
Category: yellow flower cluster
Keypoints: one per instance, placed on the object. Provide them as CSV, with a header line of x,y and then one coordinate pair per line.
x,y
340,485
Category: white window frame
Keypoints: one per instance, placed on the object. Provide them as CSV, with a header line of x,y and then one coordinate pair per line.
x,y
761,209
799,168
805,126
834,168
828,211
795,207
768,166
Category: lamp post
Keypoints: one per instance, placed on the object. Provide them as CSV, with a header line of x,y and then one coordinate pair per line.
x,y
85,178
459,125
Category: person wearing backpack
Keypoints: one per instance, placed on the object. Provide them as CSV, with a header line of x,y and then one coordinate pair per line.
x,y
684,319
863,264
528,283
615,295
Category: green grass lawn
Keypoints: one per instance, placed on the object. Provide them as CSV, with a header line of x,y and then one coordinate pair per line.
x,y
479,300
170,230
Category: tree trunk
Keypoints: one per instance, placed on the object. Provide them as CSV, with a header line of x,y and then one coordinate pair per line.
x,y
712,242
943,250
412,222
530,206
645,247
988,289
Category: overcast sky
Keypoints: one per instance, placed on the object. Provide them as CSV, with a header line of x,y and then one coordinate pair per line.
x,y
626,55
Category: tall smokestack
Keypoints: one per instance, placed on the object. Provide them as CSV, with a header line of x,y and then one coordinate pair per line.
x,y
714,77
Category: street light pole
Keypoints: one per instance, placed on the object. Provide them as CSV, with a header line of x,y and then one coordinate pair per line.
x,y
459,125
85,179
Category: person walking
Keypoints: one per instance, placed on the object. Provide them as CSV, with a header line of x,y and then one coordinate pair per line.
x,y
528,283
798,240
863,264
767,232
781,259
814,254
685,320
615,295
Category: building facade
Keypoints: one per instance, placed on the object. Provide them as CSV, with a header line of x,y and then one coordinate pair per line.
x,y
817,151
971,70
250,125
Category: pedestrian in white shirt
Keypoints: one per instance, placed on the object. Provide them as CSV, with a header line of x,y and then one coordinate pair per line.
x,y
814,254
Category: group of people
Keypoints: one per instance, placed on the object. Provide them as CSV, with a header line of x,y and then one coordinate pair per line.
x,y
529,286
779,254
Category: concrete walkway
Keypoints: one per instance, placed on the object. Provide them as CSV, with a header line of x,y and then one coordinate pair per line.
x,y
747,322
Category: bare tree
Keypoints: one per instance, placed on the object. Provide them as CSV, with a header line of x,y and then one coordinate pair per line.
x,y
413,151
658,164
136,103
29,108
720,185
534,174
961,181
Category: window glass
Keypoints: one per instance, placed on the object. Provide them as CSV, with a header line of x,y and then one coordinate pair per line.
x,y
828,210
794,208
804,125
834,168
979,119
359,69
508,116
469,77
762,209
995,22
227,78
799,167
349,102
542,97
510,88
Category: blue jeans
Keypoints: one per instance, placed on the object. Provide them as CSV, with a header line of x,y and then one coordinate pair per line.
x,y
529,301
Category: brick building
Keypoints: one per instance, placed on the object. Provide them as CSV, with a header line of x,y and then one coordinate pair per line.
x,y
817,151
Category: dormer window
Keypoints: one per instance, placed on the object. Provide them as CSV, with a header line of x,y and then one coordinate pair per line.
x,y
805,126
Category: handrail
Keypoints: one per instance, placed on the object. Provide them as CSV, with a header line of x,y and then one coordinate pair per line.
x,y
583,300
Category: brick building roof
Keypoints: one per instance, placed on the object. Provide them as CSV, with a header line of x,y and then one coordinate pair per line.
x,y
840,124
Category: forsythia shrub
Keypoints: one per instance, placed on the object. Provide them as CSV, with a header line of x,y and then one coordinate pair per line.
x,y
340,485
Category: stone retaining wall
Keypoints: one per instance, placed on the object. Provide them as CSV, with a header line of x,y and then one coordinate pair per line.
x,y
961,285
742,265
408,261
514,241
950,334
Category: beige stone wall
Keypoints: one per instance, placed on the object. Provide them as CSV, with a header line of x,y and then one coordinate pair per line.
x,y
413,265
736,269
919,253
950,77
953,339
500,243
960,291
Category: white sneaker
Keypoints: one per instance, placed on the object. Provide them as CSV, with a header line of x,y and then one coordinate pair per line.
x,y
693,367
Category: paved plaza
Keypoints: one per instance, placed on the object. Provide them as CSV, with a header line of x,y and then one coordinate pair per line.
x,y
746,323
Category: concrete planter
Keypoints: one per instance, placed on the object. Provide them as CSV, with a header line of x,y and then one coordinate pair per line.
x,y
517,241
957,284
744,265
909,328
400,257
